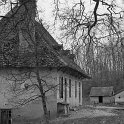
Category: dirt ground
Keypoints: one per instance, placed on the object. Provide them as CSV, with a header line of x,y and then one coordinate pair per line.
x,y
93,115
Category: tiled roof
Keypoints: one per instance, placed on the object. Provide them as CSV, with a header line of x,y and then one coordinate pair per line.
x,y
47,55
101,91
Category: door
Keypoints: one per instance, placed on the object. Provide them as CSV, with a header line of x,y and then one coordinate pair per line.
x,y
100,99
6,116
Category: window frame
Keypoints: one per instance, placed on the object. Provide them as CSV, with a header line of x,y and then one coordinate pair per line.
x,y
79,92
61,88
70,85
75,89
66,92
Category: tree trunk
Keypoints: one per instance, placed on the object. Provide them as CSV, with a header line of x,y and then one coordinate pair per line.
x,y
46,117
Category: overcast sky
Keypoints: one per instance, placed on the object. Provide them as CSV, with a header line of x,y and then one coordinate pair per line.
x,y
47,7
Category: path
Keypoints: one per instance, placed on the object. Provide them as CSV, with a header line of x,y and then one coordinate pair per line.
x,y
88,112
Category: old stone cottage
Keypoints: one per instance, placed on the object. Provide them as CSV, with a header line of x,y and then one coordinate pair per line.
x,y
19,96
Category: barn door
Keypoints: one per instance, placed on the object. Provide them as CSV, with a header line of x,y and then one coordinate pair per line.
x,y
100,99
6,116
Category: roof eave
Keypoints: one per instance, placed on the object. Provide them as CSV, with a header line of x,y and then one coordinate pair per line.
x,y
73,72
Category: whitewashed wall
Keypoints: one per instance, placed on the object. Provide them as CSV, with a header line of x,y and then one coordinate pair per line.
x,y
71,100
108,99
105,99
94,100
34,109
119,98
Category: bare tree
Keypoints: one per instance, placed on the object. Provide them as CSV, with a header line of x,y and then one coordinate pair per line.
x,y
95,32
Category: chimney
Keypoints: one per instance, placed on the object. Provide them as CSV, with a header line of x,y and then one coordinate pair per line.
x,y
26,1
28,9
30,5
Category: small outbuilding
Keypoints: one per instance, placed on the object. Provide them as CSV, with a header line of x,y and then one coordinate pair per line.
x,y
102,95
119,97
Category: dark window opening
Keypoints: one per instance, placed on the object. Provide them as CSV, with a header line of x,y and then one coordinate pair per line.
x,y
75,89
69,87
79,92
65,89
61,87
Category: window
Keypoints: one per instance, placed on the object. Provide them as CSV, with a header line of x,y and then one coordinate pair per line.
x,y
66,90
69,87
61,87
6,116
79,92
75,89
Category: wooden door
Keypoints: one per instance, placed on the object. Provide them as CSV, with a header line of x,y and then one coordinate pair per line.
x,y
100,99
6,116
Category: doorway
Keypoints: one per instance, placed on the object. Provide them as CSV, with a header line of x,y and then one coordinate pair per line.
x,y
6,116
100,99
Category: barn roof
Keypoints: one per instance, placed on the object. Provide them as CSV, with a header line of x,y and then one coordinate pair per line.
x,y
50,53
119,91
101,91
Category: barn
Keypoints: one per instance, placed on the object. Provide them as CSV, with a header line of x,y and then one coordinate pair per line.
x,y
102,95
119,97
